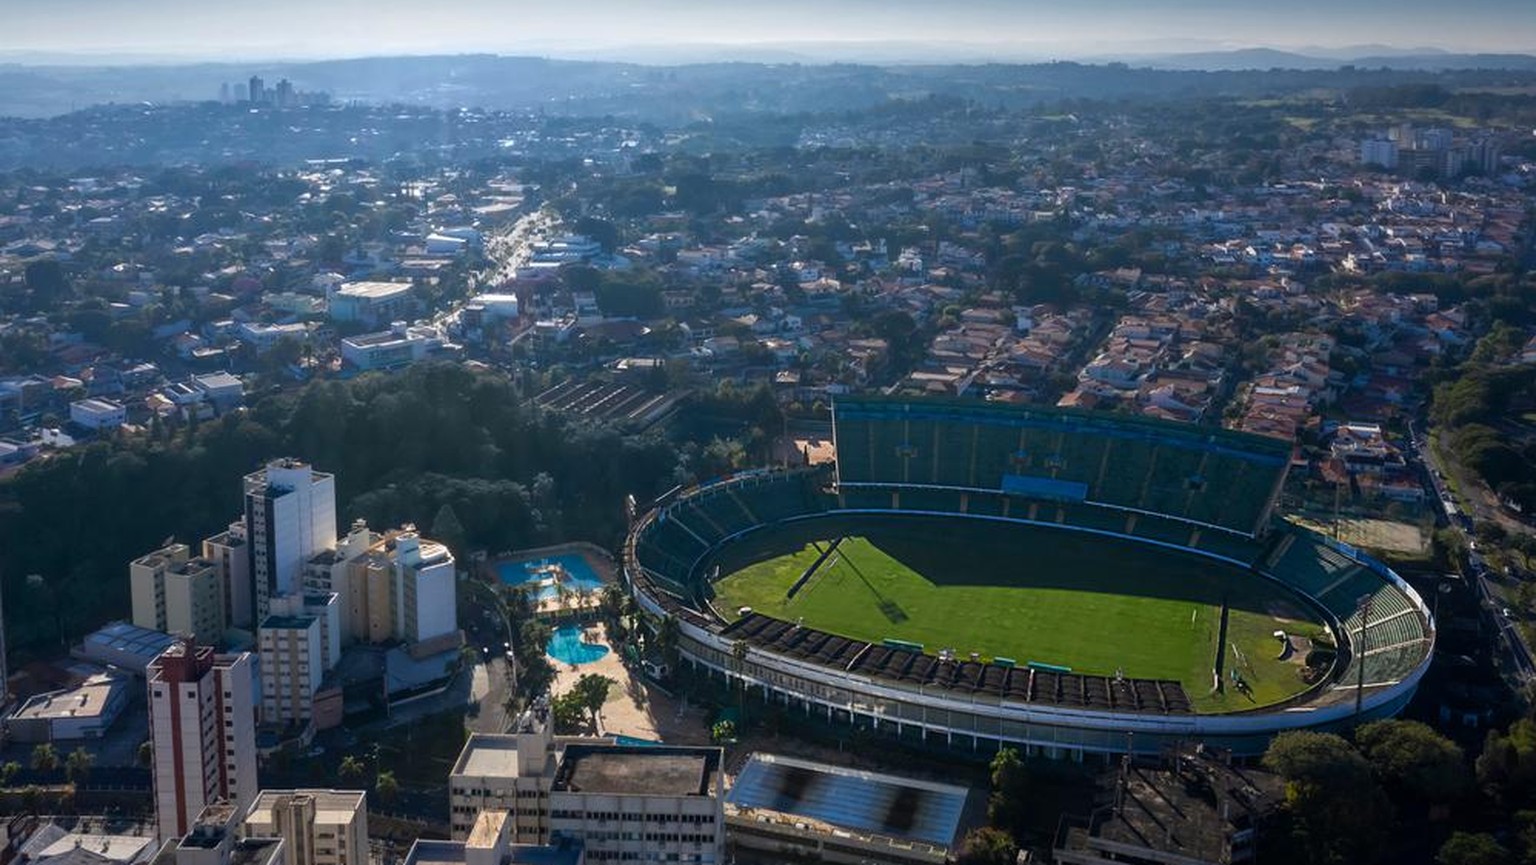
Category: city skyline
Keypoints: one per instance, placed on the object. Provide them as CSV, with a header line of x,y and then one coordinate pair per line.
x,y
287,29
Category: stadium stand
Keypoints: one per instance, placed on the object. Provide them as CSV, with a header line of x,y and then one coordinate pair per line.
x,y
969,677
1202,489
1116,460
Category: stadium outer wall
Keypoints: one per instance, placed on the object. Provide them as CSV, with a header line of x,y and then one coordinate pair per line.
x,y
939,717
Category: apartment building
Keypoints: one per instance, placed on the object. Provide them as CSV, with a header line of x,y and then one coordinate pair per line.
x,y
202,723
318,827
290,515
177,594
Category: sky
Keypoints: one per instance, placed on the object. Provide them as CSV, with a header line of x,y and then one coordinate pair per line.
x,y
295,29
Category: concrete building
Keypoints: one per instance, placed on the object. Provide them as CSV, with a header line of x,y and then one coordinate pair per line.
x,y
177,594
620,803
292,666
78,840
318,827
403,588
97,413
371,303
425,597
510,772
212,840
626,803
397,347
83,712
202,723
229,553
1379,151
490,843
331,572
325,608
290,515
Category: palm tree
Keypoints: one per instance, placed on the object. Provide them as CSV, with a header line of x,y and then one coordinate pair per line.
x,y
666,640
45,758
351,767
386,786
78,766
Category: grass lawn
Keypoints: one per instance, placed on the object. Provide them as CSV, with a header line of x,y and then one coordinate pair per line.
x,y
1034,594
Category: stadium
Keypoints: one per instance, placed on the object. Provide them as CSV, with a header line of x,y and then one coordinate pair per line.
x,y
967,575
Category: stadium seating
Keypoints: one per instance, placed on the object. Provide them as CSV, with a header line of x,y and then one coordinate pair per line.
x,y
1193,473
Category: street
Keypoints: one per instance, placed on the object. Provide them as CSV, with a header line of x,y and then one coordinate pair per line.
x,y
1461,515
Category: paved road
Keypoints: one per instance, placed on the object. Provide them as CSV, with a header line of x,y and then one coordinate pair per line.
x,y
1461,515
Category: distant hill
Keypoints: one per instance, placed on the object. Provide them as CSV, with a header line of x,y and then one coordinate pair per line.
x,y
1271,58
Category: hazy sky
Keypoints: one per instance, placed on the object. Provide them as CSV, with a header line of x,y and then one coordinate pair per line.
x,y
244,29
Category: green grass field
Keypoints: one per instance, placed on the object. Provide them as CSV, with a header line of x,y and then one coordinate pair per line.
x,y
1034,594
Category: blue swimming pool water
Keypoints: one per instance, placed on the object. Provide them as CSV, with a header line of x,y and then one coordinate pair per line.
x,y
567,647
580,576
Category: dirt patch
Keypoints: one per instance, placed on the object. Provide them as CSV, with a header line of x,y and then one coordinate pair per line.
x,y
1388,536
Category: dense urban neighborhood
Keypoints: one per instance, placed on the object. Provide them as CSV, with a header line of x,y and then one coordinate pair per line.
x,y
1079,462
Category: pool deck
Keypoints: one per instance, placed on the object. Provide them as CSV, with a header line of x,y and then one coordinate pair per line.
x,y
574,603
634,708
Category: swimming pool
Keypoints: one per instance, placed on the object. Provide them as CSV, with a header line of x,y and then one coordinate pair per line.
x,y
567,647
579,576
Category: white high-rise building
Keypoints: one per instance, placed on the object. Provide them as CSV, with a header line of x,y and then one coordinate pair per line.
x,y
202,723
290,516
426,604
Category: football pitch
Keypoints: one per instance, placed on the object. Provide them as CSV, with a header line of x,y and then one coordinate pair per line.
x,y
1095,604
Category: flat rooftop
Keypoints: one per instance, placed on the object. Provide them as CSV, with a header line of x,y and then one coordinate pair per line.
x,y
869,803
383,337
373,290
637,771
489,757
86,701
331,806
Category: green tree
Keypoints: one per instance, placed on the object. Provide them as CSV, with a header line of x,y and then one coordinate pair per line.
x,y
1469,848
45,758
351,768
1412,759
1008,805
987,845
592,690
386,786
8,772
1340,813
146,756
568,713
77,767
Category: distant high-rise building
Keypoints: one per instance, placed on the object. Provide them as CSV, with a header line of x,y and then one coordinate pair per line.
x,y
290,516
284,95
257,90
202,723
1379,151
224,92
